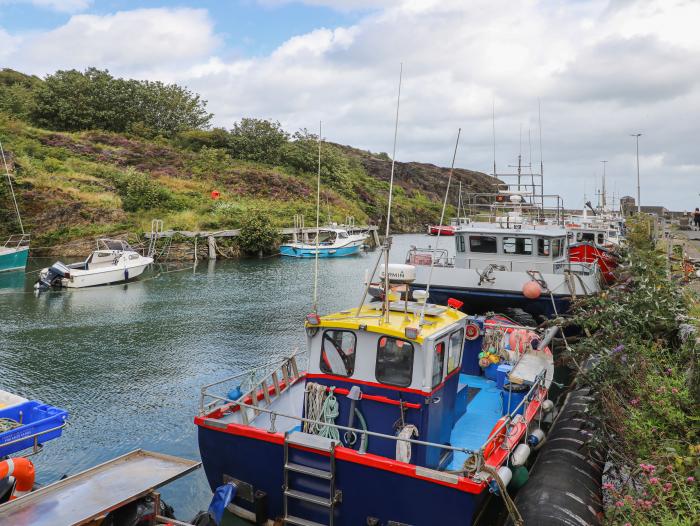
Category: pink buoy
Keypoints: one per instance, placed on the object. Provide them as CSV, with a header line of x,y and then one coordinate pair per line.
x,y
532,290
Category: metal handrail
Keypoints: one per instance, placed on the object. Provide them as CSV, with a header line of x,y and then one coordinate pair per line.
x,y
35,436
17,241
539,382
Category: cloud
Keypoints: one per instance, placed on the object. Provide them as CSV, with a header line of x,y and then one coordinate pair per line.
x,y
138,41
64,6
602,69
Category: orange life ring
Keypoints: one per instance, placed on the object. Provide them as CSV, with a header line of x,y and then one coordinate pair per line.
x,y
500,436
23,471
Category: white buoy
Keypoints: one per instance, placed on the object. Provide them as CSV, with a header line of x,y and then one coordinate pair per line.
x,y
535,438
547,406
520,455
505,474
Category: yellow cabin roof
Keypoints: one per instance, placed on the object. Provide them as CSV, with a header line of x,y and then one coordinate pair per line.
x,y
436,320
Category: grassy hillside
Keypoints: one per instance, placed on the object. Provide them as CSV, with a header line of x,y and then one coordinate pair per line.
x,y
81,184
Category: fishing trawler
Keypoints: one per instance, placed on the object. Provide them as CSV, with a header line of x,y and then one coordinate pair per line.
x,y
514,258
440,407
114,261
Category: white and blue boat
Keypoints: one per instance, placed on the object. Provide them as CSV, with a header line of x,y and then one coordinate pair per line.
x,y
331,243
395,421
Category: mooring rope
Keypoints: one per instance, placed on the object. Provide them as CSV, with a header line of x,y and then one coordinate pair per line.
x,y
507,500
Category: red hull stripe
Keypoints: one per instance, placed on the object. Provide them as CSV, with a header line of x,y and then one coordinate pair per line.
x,y
349,455
381,386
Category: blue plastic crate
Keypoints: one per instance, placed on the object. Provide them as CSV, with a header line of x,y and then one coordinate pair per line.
x,y
36,417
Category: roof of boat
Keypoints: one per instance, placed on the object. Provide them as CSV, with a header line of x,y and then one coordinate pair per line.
x,y
526,230
437,319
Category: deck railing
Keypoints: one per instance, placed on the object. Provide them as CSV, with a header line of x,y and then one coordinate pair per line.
x,y
288,369
17,241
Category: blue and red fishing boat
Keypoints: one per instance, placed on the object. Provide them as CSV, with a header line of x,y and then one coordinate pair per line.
x,y
408,413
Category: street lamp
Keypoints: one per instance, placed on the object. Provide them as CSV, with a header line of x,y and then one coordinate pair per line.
x,y
639,204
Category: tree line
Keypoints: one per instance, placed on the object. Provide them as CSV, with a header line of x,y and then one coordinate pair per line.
x,y
71,100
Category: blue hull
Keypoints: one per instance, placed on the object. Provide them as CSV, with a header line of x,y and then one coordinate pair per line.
x,y
15,260
367,491
481,301
288,250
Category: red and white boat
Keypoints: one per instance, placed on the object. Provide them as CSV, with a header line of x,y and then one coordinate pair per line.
x,y
588,252
442,230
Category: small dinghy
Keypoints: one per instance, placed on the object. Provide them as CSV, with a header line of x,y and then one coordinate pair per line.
x,y
114,261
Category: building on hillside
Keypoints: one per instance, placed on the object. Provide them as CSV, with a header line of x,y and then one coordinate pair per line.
x,y
628,205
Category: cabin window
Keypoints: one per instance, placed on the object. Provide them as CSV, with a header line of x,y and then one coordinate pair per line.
x,y
483,244
438,363
338,352
585,236
543,247
601,238
342,235
394,362
557,247
460,244
455,352
517,245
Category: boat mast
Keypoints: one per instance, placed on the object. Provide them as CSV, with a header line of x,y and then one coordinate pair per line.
x,y
437,241
12,190
318,213
603,203
387,239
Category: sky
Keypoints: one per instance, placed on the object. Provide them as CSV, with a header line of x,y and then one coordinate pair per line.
x,y
600,70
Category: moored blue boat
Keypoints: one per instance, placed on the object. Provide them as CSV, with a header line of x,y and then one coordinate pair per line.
x,y
331,243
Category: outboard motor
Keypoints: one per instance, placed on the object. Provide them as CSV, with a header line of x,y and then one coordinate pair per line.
x,y
53,276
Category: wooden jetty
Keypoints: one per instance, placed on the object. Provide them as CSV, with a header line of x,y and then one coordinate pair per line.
x,y
297,232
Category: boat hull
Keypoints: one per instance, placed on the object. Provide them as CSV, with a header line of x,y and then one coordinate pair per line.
x,y
330,252
13,259
588,253
257,460
85,279
443,231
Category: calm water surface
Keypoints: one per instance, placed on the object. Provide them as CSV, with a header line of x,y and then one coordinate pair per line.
x,y
127,361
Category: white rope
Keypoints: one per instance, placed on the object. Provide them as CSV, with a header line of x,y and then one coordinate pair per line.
x,y
12,190
403,448
321,407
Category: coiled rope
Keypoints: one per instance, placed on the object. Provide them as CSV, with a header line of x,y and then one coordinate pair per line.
x,y
322,407
7,424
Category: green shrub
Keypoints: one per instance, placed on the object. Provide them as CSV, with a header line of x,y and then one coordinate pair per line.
x,y
53,165
139,192
258,140
258,234
209,162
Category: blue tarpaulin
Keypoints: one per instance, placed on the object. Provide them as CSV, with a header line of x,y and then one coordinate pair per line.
x,y
222,497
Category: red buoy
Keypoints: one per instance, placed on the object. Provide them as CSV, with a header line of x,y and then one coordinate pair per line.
x,y
215,194
532,290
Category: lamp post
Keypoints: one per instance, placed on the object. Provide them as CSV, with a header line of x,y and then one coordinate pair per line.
x,y
639,204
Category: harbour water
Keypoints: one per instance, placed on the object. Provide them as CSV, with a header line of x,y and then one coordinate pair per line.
x,y
127,361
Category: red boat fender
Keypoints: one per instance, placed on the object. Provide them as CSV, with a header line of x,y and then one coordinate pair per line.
x,y
23,471
532,290
500,436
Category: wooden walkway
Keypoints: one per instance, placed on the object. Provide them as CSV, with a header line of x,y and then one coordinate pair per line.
x,y
293,232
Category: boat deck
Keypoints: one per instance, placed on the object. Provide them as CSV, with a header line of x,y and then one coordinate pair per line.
x,y
483,411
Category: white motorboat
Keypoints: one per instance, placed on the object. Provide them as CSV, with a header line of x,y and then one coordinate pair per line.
x,y
332,242
114,261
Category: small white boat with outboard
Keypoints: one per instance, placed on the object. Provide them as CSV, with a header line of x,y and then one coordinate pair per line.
x,y
114,261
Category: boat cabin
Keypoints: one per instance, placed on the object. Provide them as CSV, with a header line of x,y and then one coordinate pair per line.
x,y
405,374
515,248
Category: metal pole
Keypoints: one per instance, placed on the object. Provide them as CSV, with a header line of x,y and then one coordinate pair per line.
x,y
12,190
639,199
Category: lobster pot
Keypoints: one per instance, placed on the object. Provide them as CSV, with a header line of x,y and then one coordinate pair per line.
x,y
511,396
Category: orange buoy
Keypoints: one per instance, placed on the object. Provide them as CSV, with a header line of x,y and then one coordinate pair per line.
x,y
23,471
532,290
215,194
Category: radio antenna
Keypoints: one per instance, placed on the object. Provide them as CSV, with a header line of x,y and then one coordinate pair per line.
x,y
493,128
318,213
